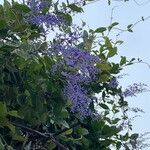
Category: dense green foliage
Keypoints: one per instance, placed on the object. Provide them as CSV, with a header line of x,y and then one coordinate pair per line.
x,y
33,112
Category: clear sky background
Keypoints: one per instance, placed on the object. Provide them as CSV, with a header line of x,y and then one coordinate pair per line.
x,y
136,44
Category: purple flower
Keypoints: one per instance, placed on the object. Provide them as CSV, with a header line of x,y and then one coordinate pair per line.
x,y
40,19
78,68
134,89
49,20
69,38
79,98
113,83
37,6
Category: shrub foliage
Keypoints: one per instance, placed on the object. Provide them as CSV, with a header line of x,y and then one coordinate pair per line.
x,y
51,72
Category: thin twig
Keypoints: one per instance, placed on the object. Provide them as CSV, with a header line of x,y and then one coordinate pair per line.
x,y
140,4
125,30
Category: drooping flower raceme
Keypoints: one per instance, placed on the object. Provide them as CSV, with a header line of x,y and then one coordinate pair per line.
x,y
79,71
79,98
37,6
49,20
80,61
134,89
40,19
113,83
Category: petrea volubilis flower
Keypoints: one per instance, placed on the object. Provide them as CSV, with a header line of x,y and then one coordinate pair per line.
x,y
81,71
39,18
49,20
134,89
37,6
81,61
69,38
113,83
79,98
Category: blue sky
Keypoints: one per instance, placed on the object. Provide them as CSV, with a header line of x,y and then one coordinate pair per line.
x,y
136,44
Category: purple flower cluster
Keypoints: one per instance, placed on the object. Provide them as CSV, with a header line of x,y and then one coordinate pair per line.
x,y
134,89
69,38
113,83
79,98
40,19
49,20
37,6
79,70
82,62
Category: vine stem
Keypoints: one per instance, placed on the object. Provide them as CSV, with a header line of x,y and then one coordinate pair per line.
x,y
27,129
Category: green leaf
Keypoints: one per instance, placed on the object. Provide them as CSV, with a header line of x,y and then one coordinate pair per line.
x,y
116,120
7,5
112,25
100,30
3,32
64,123
21,7
109,131
85,35
115,68
134,136
2,147
1,11
75,8
14,114
112,52
97,125
104,106
9,148
108,43
104,66
119,42
50,145
3,109
104,77
68,18
123,60
130,30
5,123
82,131
16,136
118,145
68,132
129,26
3,24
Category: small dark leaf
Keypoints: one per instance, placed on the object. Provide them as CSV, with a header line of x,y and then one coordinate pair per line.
x,y
75,8
67,17
2,24
112,52
100,30
129,26
123,60
130,30
104,106
134,136
112,25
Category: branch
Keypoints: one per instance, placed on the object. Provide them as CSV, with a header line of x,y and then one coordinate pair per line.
x,y
126,30
27,129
